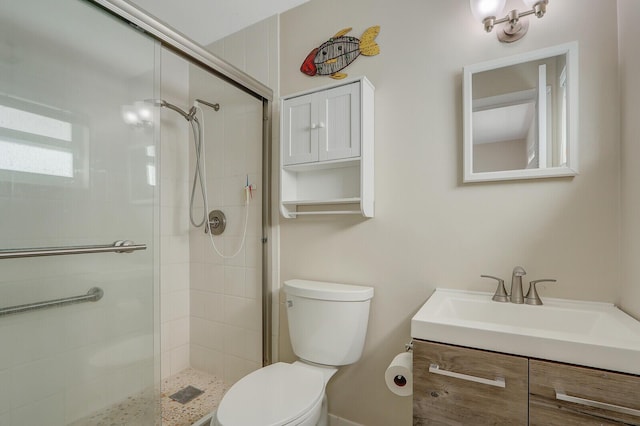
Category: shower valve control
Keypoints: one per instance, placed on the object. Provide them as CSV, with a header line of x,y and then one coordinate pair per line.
x,y
217,222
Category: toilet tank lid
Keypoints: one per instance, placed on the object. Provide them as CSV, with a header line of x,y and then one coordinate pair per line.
x,y
328,291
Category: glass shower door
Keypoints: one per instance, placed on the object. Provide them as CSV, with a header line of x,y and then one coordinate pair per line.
x,y
77,169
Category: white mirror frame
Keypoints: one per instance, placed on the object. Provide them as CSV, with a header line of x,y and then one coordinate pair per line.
x,y
571,167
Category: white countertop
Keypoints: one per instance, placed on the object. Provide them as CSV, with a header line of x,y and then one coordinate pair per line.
x,y
584,333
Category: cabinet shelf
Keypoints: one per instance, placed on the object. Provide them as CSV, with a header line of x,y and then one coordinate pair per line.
x,y
353,200
322,165
327,150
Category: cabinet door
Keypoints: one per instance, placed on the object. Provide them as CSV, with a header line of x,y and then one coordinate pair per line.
x,y
299,130
339,122
568,395
460,386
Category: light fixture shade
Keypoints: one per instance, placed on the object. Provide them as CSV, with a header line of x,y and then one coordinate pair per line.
x,y
482,9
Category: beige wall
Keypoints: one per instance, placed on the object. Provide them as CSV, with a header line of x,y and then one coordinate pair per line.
x,y
429,229
628,15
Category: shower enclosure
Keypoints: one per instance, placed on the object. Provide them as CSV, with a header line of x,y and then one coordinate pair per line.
x,y
105,287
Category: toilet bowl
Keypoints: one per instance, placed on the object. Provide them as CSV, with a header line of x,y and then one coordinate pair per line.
x,y
280,394
327,326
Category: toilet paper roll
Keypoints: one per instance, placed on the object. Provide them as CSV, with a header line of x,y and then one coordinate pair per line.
x,y
399,374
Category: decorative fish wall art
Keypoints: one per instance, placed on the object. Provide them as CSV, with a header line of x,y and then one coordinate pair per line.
x,y
339,51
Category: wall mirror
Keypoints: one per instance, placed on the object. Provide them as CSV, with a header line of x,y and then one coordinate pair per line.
x,y
521,115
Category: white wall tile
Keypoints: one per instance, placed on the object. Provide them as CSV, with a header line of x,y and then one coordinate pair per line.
x,y
214,308
174,277
235,50
257,51
36,380
234,311
48,410
234,368
179,304
235,341
253,283
229,289
178,332
215,277
179,359
5,391
234,281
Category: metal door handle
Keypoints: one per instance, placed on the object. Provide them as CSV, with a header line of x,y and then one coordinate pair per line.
x,y
562,396
498,382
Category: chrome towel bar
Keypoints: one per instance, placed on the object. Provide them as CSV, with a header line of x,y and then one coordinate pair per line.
x,y
93,295
121,246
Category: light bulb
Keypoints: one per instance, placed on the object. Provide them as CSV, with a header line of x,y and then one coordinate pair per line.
x,y
129,115
482,9
531,3
538,6
144,112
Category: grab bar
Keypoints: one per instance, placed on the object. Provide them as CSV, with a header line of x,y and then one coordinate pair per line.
x,y
93,295
121,246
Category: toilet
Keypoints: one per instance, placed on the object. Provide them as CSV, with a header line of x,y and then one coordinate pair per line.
x,y
327,326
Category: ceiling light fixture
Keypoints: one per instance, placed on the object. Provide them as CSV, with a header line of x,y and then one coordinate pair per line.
x,y
515,28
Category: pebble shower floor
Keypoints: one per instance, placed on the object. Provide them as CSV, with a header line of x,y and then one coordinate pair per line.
x,y
133,409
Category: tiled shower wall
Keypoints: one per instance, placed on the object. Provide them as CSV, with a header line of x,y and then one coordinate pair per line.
x,y
211,307
174,218
226,296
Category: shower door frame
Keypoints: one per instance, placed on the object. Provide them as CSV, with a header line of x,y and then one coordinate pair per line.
x,y
197,54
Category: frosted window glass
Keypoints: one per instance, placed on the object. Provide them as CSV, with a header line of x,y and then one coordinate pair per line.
x,y
28,122
20,157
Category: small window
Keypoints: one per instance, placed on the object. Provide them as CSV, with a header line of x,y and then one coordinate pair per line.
x,y
41,145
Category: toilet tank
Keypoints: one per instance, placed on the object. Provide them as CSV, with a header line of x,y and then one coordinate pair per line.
x,y
327,321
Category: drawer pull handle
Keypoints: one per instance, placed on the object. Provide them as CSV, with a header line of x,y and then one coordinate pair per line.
x,y
498,382
597,404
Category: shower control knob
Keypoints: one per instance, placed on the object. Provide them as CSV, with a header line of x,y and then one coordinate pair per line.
x,y
217,222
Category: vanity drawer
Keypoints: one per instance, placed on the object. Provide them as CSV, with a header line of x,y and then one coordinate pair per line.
x,y
563,394
460,386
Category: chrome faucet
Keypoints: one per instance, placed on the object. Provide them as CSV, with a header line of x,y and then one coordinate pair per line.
x,y
516,284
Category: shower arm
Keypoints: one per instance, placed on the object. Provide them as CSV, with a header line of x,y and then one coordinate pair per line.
x,y
216,106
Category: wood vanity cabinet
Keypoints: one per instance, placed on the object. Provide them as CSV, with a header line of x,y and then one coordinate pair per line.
x,y
561,394
461,386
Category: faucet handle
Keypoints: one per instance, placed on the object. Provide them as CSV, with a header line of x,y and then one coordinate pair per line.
x,y
501,293
519,271
532,297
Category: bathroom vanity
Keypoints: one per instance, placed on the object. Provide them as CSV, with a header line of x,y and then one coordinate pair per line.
x,y
471,365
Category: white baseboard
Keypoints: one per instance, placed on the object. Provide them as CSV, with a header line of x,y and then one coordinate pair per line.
x,y
339,421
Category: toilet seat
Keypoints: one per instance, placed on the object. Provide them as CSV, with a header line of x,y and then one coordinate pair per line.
x,y
277,395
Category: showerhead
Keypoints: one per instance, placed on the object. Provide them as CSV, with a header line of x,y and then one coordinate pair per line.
x,y
189,116
156,102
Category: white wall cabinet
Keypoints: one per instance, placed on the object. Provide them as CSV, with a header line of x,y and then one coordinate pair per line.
x,y
327,150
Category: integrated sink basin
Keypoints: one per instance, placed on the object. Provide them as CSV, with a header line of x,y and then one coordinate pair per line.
x,y
584,333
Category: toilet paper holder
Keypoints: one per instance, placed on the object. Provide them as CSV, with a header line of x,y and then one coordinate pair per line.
x,y
409,346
